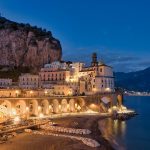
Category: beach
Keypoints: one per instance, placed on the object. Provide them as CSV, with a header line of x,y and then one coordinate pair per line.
x,y
29,141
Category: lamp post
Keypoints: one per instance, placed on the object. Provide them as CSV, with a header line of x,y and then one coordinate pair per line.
x,y
45,92
31,92
17,93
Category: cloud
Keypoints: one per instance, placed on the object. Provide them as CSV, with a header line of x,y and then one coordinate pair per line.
x,y
123,62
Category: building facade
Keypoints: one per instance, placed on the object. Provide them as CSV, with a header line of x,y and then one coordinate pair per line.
x,y
96,78
29,81
5,83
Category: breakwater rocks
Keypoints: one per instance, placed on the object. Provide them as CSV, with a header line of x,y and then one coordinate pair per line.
x,y
65,130
123,116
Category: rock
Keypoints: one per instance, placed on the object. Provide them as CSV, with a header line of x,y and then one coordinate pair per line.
x,y
24,45
14,134
4,138
28,130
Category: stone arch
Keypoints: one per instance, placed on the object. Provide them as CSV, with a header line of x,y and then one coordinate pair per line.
x,y
8,105
72,105
33,107
55,106
64,105
3,112
81,103
45,107
20,107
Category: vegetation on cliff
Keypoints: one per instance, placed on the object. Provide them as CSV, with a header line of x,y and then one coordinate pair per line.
x,y
23,45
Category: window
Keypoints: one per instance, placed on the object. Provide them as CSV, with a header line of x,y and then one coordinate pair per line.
x,y
101,69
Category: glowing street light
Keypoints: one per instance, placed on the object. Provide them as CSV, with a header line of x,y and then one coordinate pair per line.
x,y
59,106
13,112
17,93
39,108
41,115
16,120
31,92
107,89
27,108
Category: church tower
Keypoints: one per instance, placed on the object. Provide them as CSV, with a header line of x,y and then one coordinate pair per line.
x,y
94,60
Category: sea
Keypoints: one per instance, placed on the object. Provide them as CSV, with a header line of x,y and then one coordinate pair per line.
x,y
133,134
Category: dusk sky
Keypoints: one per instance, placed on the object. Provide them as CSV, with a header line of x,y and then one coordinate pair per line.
x,y
118,30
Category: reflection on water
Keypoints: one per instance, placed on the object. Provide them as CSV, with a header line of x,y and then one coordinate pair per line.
x,y
111,129
133,134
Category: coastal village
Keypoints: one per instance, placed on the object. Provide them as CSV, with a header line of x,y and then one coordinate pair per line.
x,y
61,87
74,75
60,101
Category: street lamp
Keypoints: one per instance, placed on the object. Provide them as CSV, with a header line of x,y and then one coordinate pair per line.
x,y
17,92
13,112
45,92
31,92
16,120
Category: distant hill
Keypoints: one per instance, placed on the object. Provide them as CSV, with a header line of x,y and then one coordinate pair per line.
x,y
23,45
137,81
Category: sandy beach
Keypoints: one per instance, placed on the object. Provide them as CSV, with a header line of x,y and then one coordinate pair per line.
x,y
27,141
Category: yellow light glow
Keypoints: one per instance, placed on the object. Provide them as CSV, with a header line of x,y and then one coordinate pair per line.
x,y
76,105
39,108
46,92
94,89
17,92
27,108
16,120
67,106
114,107
67,79
108,89
41,115
79,108
59,106
31,92
13,111
93,105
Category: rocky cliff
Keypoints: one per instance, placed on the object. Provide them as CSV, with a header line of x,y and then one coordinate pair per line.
x,y
24,45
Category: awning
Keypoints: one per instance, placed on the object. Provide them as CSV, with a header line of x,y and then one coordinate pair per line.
x,y
105,100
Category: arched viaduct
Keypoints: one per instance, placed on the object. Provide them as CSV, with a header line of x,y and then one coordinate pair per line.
x,y
49,105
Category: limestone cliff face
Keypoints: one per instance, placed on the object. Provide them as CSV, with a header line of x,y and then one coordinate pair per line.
x,y
24,45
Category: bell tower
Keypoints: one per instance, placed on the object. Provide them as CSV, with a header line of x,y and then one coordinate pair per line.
x,y
94,60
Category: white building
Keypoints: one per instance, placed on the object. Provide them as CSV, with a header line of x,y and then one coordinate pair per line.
x,y
29,81
88,80
5,83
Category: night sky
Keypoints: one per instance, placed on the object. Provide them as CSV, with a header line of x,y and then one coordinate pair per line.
x,y
118,30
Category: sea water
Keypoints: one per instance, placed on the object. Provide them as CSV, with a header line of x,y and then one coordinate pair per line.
x,y
133,134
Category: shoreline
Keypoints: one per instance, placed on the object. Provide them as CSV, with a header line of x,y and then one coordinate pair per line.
x,y
35,142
